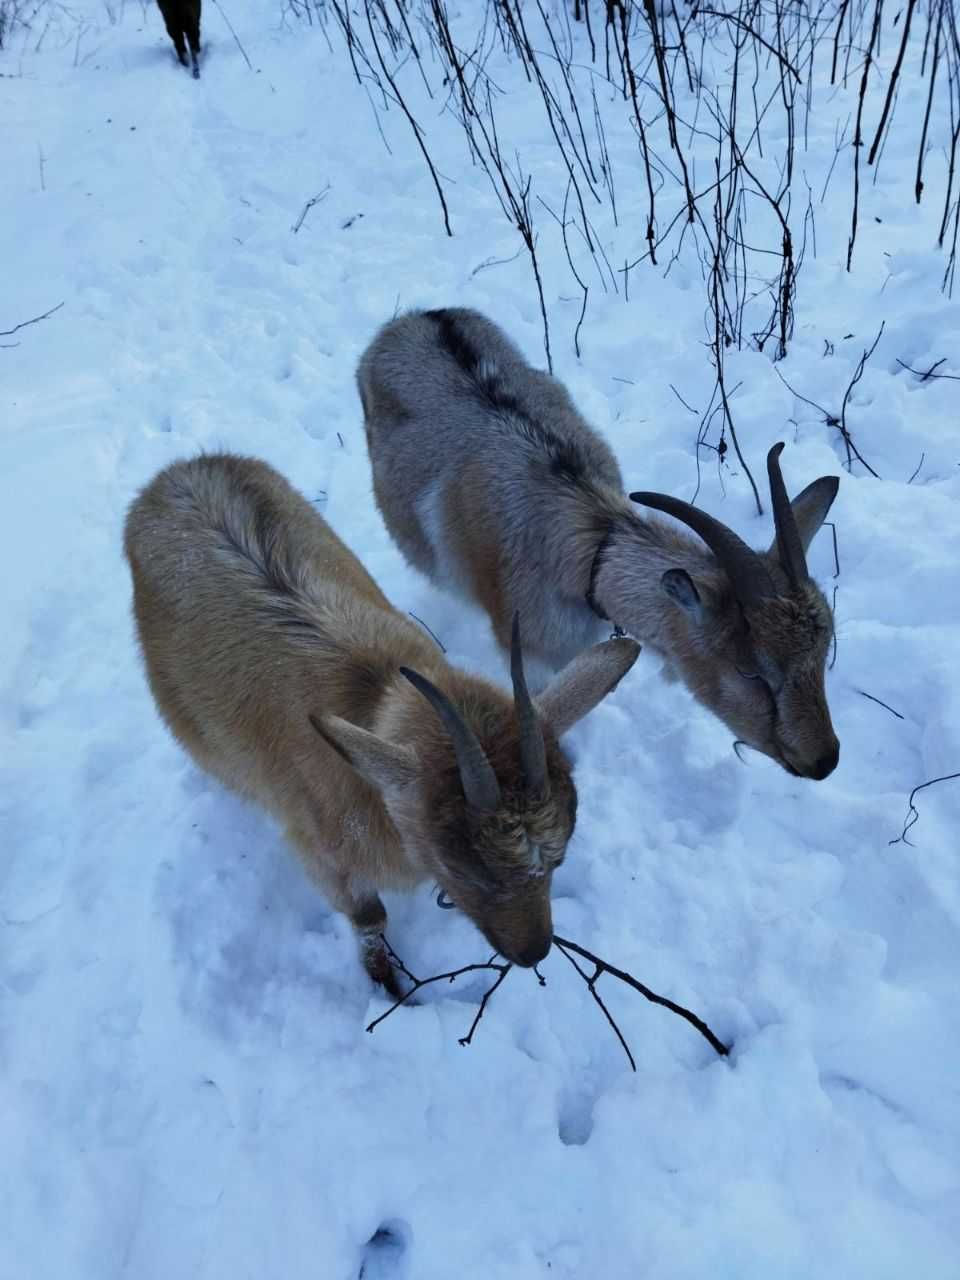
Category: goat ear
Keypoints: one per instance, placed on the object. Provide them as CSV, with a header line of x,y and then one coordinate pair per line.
x,y
679,586
585,681
386,765
810,508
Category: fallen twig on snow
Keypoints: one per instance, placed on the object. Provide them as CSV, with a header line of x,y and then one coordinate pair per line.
x,y
925,375
321,195
879,701
840,420
913,815
570,950
501,967
6,333
601,967
852,450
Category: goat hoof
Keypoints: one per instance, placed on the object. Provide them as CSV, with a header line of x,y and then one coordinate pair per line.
x,y
382,973
390,982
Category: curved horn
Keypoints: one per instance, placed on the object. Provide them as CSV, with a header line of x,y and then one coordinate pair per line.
x,y
480,784
749,575
789,546
533,754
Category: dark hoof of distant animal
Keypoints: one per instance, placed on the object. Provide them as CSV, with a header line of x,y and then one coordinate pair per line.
x,y
196,72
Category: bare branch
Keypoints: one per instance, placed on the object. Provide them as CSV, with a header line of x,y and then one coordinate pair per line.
x,y
6,333
602,967
913,815
892,85
502,968
858,135
417,131
926,375
863,694
321,195
234,34
857,375
429,630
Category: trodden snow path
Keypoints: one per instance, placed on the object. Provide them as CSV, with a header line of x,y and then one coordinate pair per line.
x,y
186,1086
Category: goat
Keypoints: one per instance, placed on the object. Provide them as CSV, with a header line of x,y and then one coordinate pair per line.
x,y
492,483
282,669
182,20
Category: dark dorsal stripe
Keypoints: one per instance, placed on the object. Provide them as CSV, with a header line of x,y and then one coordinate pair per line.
x,y
565,459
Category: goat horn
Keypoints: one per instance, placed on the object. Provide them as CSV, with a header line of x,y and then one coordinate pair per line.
x,y
533,754
789,545
749,575
480,784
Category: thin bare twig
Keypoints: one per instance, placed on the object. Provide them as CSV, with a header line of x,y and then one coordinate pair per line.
x,y
863,694
934,65
468,1038
829,418
602,966
927,375
502,968
857,375
858,134
6,333
414,125
495,262
591,982
785,63
892,85
429,630
913,815
234,34
689,408
321,195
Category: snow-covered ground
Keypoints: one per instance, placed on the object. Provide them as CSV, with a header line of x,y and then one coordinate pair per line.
x,y
186,1085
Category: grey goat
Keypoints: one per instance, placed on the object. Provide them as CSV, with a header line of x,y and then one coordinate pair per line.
x,y
492,483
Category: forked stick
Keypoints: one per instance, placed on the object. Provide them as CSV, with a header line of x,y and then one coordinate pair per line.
x,y
570,950
602,967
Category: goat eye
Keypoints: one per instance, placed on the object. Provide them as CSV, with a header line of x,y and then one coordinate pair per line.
x,y
770,689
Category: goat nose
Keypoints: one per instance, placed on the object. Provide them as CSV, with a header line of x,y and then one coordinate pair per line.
x,y
823,767
533,953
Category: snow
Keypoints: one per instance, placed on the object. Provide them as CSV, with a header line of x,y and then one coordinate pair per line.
x,y
186,1085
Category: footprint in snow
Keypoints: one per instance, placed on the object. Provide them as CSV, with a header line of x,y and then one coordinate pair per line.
x,y
384,1254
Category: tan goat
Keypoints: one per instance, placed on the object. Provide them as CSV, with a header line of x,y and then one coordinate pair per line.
x,y
491,482
284,671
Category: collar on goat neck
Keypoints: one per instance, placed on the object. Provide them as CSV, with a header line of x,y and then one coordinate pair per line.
x,y
604,545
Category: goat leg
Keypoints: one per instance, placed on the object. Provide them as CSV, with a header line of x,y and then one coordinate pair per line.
x,y
369,919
